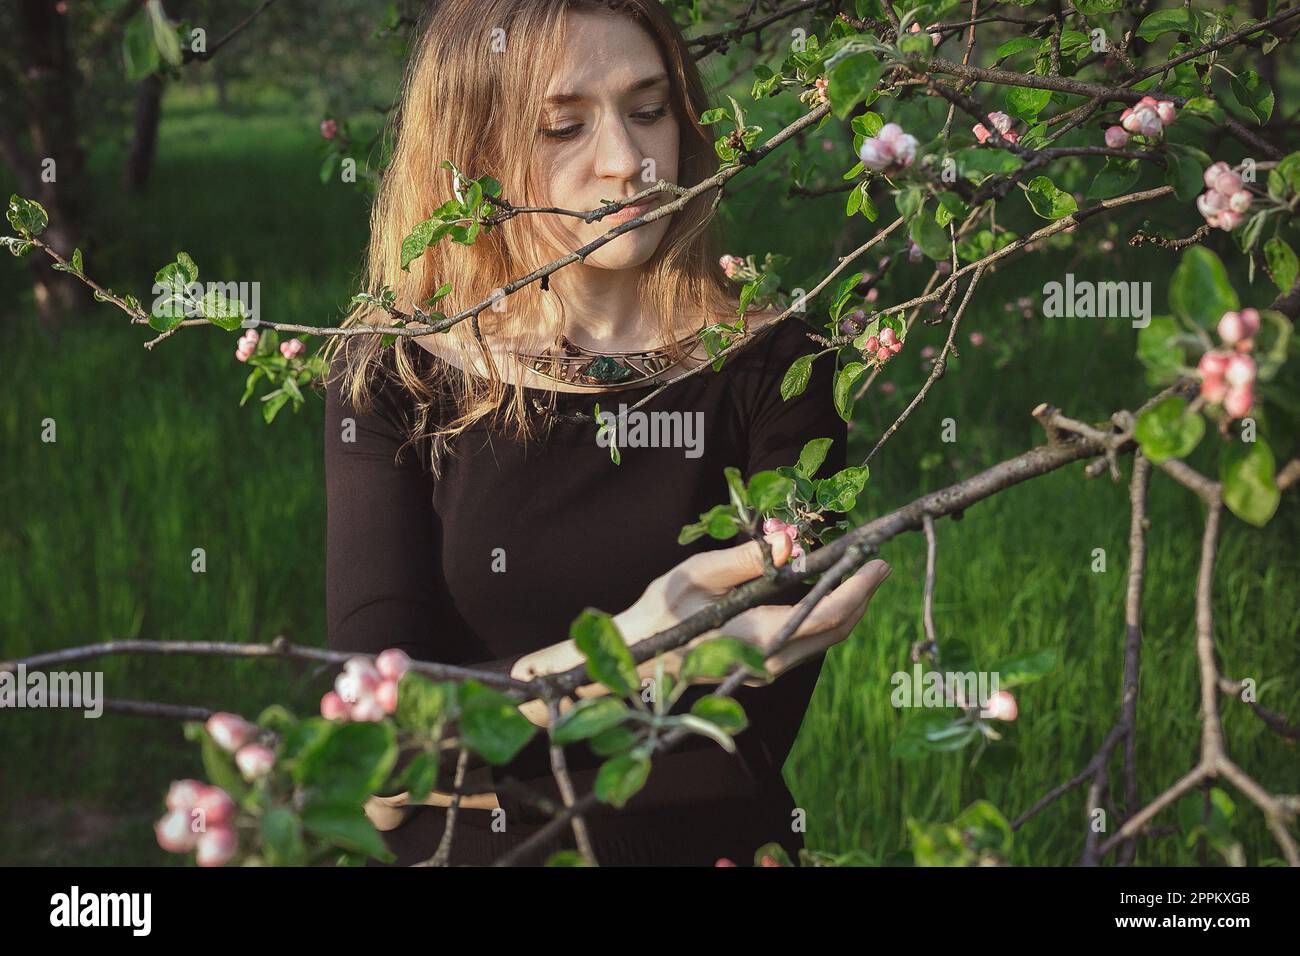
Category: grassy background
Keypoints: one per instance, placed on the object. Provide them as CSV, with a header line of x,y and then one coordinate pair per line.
x,y
154,459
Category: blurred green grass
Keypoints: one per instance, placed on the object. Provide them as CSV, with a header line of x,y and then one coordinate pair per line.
x,y
154,458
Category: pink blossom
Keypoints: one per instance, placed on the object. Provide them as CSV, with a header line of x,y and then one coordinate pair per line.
x,y
887,388
782,547
1001,122
334,707
1239,401
731,265
1240,372
929,352
328,128
1239,202
386,696
215,805
977,339
1001,706
981,132
292,348
174,832
254,761
393,663
230,731
1116,137
216,847
1166,111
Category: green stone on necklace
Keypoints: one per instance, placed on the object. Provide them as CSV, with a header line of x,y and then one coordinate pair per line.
x,y
605,369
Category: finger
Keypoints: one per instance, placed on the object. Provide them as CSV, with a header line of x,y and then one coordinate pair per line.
x,y
727,567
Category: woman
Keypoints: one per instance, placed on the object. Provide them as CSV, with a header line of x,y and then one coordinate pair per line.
x,y
470,521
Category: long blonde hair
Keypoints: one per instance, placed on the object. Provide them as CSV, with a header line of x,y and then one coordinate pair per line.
x,y
482,111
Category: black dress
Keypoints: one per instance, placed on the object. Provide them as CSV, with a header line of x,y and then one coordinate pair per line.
x,y
417,563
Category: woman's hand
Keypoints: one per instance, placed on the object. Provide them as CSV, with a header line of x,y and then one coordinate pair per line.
x,y
703,578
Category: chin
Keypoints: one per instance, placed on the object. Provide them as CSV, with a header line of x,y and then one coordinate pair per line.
x,y
628,251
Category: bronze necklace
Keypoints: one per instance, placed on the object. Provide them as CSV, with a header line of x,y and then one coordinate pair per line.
x,y
575,365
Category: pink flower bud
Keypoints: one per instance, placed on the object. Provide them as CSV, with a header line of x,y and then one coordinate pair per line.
x,y
872,295
333,707
184,794
386,696
1116,137
1166,111
883,354
1011,136
723,861
773,525
216,847
791,531
1240,372
1129,121
1250,322
887,388
1213,389
243,355
1213,172
929,352
1229,220
1211,202
888,336
1214,363
1148,121
328,128
796,550
292,349
1227,183
781,547
1239,201
254,761
872,344
896,347
1001,122
905,149
1239,402
977,339
1001,706
218,809
1147,101
981,132
889,133
230,731
392,663
367,710
1231,328
174,833
875,154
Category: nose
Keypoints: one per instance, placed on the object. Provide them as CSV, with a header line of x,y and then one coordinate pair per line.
x,y
617,154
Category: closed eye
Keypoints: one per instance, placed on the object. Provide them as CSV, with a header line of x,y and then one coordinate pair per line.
x,y
646,117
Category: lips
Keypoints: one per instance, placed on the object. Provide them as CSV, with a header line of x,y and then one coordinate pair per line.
x,y
630,212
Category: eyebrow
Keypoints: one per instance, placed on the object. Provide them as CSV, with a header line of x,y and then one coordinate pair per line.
x,y
558,99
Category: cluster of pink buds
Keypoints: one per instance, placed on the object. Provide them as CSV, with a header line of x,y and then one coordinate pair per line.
x,y
292,349
1002,123
246,345
235,735
199,817
731,265
884,346
1148,118
328,128
820,85
1225,200
784,539
366,691
1228,374
891,148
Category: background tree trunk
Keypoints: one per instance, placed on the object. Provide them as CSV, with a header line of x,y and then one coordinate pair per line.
x,y
144,141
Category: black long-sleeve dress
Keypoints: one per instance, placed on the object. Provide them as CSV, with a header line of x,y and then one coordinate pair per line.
x,y
416,562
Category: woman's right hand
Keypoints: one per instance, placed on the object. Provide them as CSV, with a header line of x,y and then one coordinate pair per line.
x,y
703,578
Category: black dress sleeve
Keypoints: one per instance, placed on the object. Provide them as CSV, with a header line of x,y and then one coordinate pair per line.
x,y
382,539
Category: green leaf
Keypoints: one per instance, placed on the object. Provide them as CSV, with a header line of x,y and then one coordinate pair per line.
x,y
608,660
768,491
840,491
620,779
1283,179
1168,431
590,717
420,238
566,858
867,124
796,378
1159,349
272,402
1026,103
1012,47
344,825
1114,179
1024,668
282,836
490,723
1199,290
1177,20
1249,485
616,740
715,658
164,34
850,80
845,379
1048,201
812,456
27,216
1185,170
931,237
351,762
725,712
1254,95
424,706
139,49
420,775
225,312
1282,264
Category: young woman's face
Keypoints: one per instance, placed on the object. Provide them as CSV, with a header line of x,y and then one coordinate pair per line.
x,y
609,131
